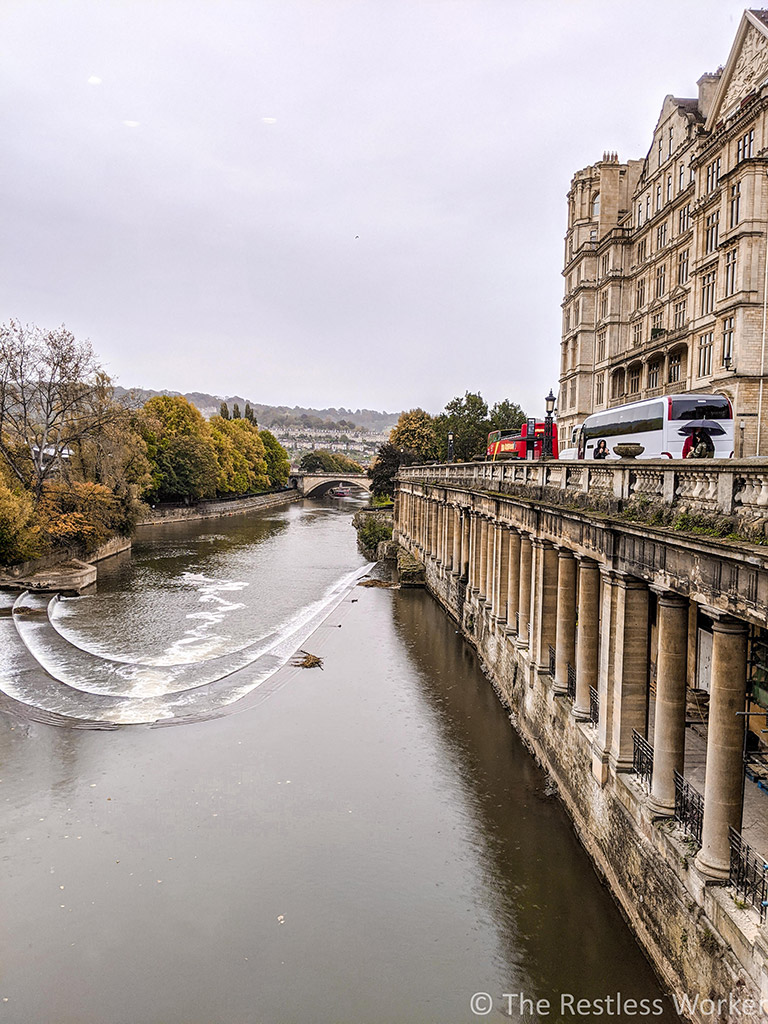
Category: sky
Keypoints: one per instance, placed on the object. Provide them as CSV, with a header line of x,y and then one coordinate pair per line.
x,y
355,203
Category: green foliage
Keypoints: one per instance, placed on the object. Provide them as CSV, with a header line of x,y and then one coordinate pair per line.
x,y
240,454
278,463
416,432
384,469
322,461
249,414
470,422
372,531
235,411
180,449
224,411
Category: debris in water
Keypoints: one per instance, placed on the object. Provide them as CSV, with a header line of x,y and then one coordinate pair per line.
x,y
308,661
377,583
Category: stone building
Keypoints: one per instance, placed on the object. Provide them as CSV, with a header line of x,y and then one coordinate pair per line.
x,y
665,257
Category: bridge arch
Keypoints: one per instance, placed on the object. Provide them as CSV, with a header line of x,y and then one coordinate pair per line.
x,y
315,484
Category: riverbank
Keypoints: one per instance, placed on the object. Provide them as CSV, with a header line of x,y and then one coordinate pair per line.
x,y
218,509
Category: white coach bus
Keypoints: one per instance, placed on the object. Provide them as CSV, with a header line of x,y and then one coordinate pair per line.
x,y
660,425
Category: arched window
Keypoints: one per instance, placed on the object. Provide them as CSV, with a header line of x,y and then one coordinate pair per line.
x,y
595,206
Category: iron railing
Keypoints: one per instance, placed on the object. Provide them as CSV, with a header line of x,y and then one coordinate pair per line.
x,y
748,873
571,683
551,663
594,706
642,758
689,807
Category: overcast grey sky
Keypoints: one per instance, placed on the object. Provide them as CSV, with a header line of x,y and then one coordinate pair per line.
x,y
321,202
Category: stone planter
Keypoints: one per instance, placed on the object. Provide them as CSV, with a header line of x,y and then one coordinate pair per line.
x,y
629,451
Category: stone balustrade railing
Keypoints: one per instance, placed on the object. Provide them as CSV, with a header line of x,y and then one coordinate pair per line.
x,y
718,486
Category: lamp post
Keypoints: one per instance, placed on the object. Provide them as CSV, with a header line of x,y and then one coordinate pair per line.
x,y
549,401
450,446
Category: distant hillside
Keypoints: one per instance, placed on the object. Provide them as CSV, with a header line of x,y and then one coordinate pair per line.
x,y
275,415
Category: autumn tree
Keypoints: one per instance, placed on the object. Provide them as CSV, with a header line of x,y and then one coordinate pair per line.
x,y
388,461
415,432
53,395
278,463
180,449
241,456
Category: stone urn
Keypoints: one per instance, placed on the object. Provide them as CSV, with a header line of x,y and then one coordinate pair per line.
x,y
629,451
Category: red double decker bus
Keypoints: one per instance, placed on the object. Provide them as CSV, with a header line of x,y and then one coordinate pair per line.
x,y
513,444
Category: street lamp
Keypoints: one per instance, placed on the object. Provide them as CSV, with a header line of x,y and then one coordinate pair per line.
x,y
549,402
450,446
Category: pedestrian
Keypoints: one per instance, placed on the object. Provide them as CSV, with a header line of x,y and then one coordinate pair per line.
x,y
601,452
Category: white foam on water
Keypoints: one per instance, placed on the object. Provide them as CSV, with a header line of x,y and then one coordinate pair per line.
x,y
147,701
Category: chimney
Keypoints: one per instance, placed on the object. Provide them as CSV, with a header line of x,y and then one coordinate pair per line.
x,y
707,88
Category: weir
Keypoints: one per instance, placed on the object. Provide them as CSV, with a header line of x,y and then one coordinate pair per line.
x,y
628,639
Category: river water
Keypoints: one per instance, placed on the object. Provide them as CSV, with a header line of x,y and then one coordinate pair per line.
x,y
364,844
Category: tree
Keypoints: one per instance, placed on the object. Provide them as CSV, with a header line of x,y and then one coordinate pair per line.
x,y
240,455
467,418
506,415
415,432
224,411
180,449
235,411
388,461
322,461
53,394
249,413
278,463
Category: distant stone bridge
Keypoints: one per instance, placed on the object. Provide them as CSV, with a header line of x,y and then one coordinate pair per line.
x,y
319,483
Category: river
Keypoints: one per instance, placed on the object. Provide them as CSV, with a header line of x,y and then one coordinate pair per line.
x,y
366,843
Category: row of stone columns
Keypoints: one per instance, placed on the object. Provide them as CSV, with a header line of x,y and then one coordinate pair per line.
x,y
597,621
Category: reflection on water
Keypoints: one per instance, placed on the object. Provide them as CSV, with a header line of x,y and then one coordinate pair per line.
x,y
370,845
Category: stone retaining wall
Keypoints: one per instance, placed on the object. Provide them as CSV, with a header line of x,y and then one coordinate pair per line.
x,y
218,509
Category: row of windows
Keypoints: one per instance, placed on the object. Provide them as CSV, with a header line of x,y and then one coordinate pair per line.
x,y
711,225
674,366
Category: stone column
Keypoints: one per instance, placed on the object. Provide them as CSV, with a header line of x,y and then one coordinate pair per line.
x,y
602,741
439,531
630,672
669,715
587,651
465,546
502,574
474,552
725,741
490,562
565,636
483,545
524,593
456,566
494,558
513,580
544,601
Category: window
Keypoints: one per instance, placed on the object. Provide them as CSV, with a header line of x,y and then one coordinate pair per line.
x,y
713,174
730,272
617,384
727,340
595,206
669,187
658,197
661,235
653,375
681,178
573,393
708,292
601,347
712,230
599,389
639,214
641,250
669,143
674,370
640,293
604,265
661,280
637,334
684,219
682,266
680,314
735,204
745,146
604,304
593,235
705,353
633,380
661,150
648,206
657,323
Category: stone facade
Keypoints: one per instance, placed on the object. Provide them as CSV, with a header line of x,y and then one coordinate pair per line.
x,y
665,257
584,622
